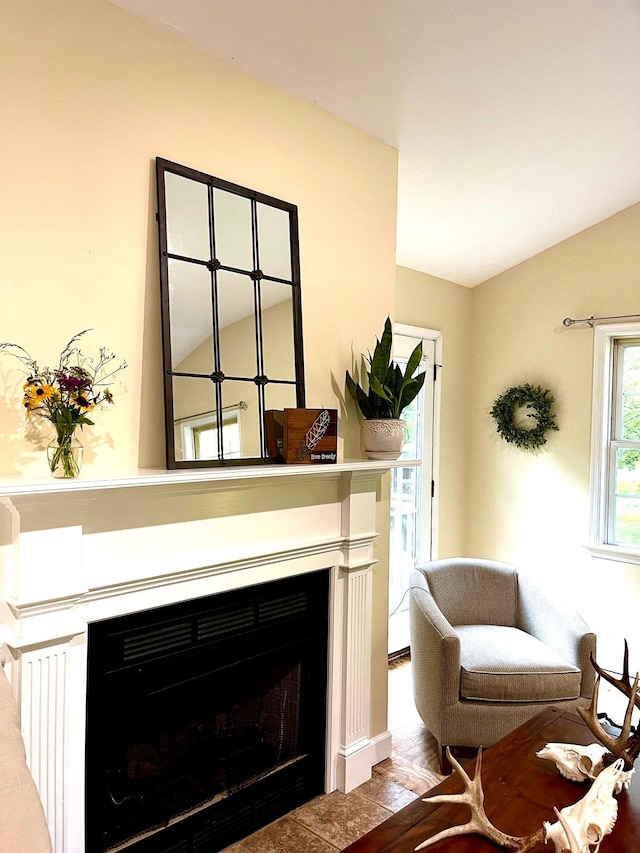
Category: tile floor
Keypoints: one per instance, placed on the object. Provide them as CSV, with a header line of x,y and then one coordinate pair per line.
x,y
331,822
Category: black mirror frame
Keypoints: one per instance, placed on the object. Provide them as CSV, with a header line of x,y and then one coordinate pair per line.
x,y
162,167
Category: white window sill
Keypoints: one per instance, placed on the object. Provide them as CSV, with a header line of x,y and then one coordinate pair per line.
x,y
615,552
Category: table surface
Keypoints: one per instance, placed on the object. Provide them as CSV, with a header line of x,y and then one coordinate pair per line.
x,y
520,792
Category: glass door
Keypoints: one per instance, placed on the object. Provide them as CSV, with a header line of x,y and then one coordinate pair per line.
x,y
411,493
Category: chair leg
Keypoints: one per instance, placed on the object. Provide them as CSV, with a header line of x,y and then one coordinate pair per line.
x,y
445,765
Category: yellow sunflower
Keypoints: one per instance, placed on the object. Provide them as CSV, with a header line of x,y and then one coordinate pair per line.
x,y
82,403
31,398
46,392
30,403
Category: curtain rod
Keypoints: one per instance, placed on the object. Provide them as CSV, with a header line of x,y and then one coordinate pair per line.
x,y
240,405
591,320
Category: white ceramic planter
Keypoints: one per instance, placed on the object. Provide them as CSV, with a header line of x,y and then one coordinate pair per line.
x,y
382,438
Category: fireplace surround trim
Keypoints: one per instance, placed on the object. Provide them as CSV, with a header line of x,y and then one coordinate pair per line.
x,y
44,616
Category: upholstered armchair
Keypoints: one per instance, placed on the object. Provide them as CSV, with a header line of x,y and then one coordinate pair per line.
x,y
490,648
23,827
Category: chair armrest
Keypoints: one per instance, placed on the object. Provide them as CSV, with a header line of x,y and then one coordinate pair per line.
x,y
558,624
435,655
23,828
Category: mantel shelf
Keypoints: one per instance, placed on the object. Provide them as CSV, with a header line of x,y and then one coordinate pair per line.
x,y
137,477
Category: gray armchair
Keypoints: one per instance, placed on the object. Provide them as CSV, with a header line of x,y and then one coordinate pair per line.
x,y
23,827
490,648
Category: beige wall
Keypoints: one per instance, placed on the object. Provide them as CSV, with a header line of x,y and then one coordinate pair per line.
x,y
90,96
533,508
433,303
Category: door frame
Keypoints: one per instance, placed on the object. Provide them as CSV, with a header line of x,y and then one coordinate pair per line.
x,y
420,333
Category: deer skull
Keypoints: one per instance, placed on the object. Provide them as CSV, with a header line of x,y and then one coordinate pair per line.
x,y
574,762
579,763
592,817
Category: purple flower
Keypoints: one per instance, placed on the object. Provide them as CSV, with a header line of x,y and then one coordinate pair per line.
x,y
74,384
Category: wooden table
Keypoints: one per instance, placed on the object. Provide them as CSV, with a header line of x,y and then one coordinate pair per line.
x,y
520,792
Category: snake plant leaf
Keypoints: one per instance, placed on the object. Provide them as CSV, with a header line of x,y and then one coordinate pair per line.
x,y
411,390
390,389
414,361
394,379
382,353
378,388
360,397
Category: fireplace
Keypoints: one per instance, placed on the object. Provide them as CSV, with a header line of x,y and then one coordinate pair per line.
x,y
206,720
75,555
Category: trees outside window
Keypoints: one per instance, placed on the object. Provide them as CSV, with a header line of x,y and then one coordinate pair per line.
x,y
615,472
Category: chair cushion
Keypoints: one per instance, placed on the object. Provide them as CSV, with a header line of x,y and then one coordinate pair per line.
x,y
502,664
474,592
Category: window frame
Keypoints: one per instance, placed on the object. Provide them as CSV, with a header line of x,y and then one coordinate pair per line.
x,y
605,420
192,424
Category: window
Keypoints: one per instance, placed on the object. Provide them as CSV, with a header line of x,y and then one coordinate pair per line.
x,y
197,436
615,463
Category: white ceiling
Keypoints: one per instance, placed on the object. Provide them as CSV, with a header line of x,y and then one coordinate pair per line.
x,y
517,121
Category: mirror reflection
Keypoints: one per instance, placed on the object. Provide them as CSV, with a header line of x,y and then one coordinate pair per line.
x,y
232,339
187,217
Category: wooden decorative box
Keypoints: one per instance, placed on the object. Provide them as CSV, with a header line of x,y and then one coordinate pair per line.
x,y
303,436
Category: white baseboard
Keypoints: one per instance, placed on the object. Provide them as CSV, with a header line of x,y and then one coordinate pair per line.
x,y
381,746
355,768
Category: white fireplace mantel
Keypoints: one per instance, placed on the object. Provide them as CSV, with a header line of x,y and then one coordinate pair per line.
x,y
73,552
137,477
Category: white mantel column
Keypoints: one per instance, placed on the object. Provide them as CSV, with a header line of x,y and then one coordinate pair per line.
x,y
45,658
357,753
51,684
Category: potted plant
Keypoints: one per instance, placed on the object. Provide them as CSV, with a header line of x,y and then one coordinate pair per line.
x,y
389,392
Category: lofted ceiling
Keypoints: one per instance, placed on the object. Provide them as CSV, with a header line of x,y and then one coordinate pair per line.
x,y
517,122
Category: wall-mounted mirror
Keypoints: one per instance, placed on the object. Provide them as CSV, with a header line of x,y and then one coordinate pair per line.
x,y
231,316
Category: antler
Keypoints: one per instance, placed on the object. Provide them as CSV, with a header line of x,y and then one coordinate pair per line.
x,y
564,823
623,684
625,746
473,796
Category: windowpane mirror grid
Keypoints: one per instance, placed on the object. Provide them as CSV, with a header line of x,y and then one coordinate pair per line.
x,y
280,396
195,409
237,325
235,331
187,217
191,317
233,230
276,304
242,400
273,242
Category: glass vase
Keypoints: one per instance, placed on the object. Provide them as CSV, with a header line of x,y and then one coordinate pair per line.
x,y
65,456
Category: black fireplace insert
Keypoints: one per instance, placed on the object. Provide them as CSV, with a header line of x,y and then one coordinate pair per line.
x,y
206,719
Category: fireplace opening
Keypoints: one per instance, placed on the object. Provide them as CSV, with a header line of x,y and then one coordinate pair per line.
x,y
206,719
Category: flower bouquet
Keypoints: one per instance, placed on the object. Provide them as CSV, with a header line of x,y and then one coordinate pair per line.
x,y
65,395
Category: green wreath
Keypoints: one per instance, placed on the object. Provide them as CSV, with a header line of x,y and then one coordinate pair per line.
x,y
536,398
